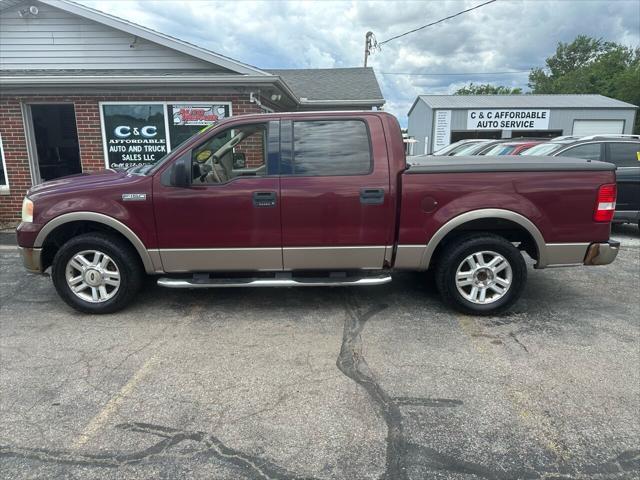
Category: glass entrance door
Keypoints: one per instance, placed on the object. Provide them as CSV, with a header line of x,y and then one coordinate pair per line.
x,y
55,152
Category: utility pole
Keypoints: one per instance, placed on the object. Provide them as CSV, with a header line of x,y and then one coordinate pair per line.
x,y
368,45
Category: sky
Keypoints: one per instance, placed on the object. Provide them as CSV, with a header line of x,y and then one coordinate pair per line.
x,y
505,36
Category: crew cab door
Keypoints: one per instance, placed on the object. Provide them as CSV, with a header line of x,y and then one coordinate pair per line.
x,y
227,216
335,188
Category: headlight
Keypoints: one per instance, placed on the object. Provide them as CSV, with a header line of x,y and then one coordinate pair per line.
x,y
27,210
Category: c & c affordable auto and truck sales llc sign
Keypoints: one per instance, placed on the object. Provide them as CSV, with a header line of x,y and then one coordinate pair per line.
x,y
508,119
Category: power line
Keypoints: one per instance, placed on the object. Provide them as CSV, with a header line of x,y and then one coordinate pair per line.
x,y
457,73
437,21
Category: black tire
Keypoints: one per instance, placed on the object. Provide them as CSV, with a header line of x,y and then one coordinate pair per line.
x,y
457,251
123,256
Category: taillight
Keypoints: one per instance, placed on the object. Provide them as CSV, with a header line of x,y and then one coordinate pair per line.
x,y
606,203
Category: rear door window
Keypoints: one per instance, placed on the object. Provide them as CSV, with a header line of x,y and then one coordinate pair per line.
x,y
331,147
624,154
588,151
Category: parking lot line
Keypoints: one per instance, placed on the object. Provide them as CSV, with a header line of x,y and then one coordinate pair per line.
x,y
112,405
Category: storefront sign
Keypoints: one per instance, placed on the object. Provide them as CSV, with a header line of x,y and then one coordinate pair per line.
x,y
189,119
508,119
134,135
198,115
442,129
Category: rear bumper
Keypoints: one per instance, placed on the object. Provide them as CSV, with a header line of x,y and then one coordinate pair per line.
x,y
31,259
575,254
602,253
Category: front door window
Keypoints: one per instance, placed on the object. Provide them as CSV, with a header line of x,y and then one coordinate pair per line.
x,y
237,152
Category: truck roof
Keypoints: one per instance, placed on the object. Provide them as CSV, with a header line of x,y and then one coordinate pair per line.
x,y
314,113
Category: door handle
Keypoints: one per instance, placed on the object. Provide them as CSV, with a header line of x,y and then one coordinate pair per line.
x,y
372,196
264,199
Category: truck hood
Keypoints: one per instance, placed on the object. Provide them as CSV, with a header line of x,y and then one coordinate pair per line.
x,y
82,182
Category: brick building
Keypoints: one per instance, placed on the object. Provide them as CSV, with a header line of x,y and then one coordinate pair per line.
x,y
81,90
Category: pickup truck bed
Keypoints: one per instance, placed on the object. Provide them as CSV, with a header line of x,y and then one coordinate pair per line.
x,y
316,198
506,163
547,192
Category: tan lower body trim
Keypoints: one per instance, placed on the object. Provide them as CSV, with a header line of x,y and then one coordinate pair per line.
x,y
388,255
324,258
408,257
561,254
156,260
221,259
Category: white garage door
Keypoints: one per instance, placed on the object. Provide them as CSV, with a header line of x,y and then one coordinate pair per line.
x,y
597,127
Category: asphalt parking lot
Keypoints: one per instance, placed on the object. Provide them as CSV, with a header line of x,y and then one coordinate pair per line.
x,y
361,383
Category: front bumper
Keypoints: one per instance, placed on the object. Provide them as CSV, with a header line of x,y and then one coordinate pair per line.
x,y
31,259
602,253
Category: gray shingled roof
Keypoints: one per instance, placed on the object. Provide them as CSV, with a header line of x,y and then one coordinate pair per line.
x,y
523,101
358,84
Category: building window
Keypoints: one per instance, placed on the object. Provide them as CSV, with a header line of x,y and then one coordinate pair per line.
x,y
4,179
185,120
331,147
141,133
134,135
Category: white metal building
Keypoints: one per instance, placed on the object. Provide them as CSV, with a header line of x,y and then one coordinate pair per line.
x,y
435,121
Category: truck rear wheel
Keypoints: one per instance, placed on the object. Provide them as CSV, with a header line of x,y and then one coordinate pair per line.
x,y
481,274
96,273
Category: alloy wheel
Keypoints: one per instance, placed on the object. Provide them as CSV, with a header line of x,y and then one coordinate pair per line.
x,y
93,276
484,277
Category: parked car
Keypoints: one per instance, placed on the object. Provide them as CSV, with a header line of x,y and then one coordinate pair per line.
x,y
482,148
477,148
511,148
322,199
459,145
621,150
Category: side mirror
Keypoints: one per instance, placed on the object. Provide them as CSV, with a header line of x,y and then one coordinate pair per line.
x,y
180,174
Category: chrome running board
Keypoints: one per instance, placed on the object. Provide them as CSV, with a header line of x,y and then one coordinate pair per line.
x,y
199,282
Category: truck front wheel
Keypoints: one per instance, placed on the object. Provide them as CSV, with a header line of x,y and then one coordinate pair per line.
x,y
96,273
481,274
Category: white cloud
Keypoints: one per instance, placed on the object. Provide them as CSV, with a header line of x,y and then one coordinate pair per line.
x,y
503,36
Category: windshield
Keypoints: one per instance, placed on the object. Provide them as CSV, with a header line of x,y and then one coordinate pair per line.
x,y
454,147
472,149
501,150
149,168
542,149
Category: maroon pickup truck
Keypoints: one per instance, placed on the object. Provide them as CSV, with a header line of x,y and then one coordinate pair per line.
x,y
316,199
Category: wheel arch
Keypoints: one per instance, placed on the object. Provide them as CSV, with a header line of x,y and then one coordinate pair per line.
x,y
100,222
486,216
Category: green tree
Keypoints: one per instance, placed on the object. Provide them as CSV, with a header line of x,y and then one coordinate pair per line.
x,y
589,65
487,89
